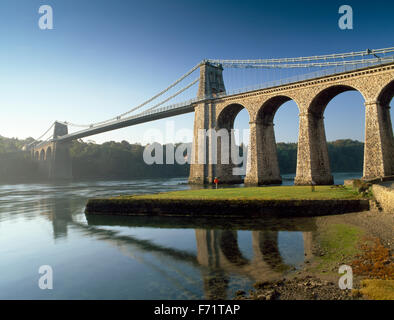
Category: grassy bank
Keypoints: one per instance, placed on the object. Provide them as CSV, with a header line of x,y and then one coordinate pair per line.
x,y
337,244
256,193
235,202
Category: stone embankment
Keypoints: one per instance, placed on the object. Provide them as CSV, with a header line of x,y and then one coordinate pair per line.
x,y
224,208
384,195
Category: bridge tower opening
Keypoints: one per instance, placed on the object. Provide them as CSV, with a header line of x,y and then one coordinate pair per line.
x,y
211,80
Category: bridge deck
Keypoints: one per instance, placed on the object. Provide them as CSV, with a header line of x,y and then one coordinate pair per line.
x,y
127,122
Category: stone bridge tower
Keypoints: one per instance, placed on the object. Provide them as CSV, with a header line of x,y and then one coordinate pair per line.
x,y
204,152
53,157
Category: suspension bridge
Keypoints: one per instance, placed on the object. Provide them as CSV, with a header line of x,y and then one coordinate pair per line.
x,y
260,86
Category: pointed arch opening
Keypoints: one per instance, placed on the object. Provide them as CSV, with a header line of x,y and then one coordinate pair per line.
x,y
42,155
49,154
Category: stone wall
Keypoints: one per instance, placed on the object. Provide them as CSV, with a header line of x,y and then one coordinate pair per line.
x,y
385,197
224,208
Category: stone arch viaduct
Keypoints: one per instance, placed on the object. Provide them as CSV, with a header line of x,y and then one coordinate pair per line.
x,y
217,111
376,85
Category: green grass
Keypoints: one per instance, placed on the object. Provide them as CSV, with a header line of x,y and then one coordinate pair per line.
x,y
339,242
256,193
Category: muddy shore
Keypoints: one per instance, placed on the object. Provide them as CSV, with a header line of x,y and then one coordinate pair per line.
x,y
318,278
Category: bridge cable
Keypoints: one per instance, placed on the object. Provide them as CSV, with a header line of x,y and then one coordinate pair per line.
x,y
38,139
173,96
270,64
139,106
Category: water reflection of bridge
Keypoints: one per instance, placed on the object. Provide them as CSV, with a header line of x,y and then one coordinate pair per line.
x,y
218,252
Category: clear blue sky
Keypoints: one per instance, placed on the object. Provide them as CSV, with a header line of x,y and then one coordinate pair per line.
x,y
103,57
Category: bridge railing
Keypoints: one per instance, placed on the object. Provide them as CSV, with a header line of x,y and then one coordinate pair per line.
x,y
307,76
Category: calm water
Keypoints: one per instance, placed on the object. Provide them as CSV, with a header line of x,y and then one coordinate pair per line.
x,y
136,258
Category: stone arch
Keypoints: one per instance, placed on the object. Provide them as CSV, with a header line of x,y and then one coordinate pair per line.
x,y
313,164
379,145
36,155
48,154
384,99
227,115
386,94
227,159
323,98
264,167
267,111
42,155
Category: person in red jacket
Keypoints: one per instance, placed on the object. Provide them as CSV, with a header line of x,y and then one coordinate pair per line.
x,y
216,182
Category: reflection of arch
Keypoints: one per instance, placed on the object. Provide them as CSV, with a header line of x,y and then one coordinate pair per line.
x,y
42,155
265,246
219,250
214,260
36,155
49,154
229,246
